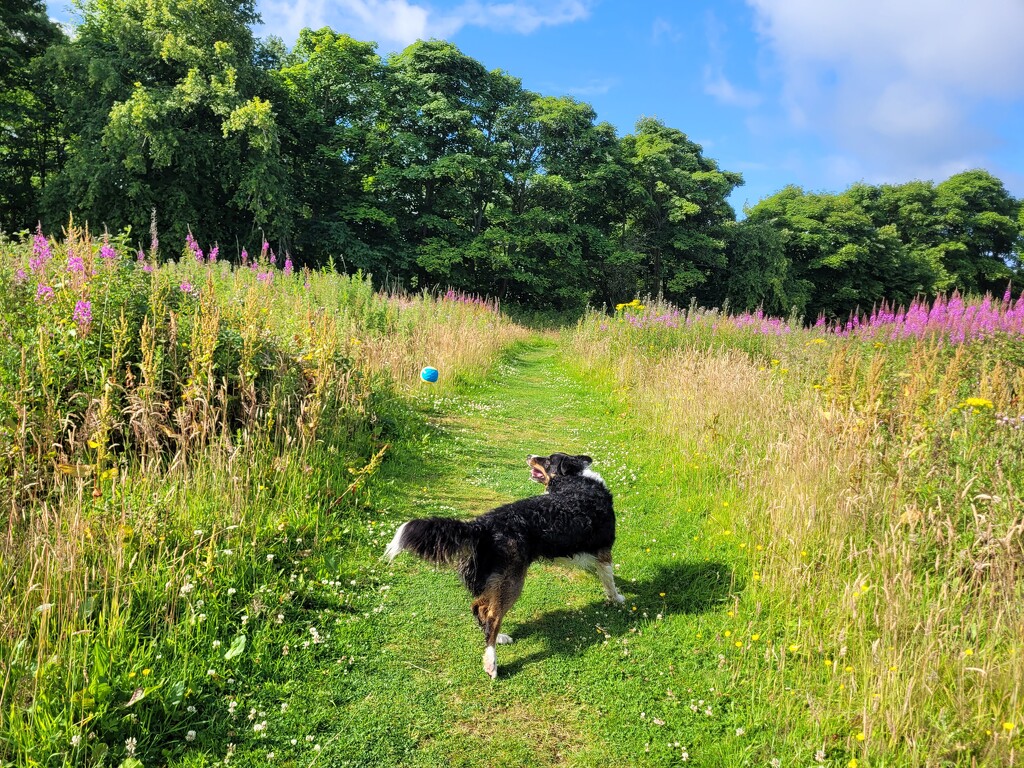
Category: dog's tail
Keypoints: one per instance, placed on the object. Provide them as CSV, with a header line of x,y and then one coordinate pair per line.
x,y
437,539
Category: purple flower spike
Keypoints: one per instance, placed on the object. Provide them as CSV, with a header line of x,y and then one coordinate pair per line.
x,y
83,314
44,293
186,287
288,265
41,253
75,263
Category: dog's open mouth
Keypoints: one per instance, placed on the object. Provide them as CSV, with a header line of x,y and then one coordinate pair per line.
x,y
537,471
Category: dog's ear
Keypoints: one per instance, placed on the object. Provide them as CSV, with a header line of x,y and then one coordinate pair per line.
x,y
585,460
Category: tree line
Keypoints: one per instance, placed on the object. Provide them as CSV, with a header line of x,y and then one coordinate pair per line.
x,y
425,168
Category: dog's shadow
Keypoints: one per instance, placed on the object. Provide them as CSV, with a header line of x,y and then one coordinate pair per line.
x,y
674,589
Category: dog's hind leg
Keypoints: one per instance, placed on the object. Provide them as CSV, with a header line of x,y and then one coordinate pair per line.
x,y
490,607
606,573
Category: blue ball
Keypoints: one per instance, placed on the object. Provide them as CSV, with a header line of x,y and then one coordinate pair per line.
x,y
429,374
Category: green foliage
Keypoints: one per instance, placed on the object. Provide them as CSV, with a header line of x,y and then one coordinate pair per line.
x,y
868,244
165,113
30,143
427,170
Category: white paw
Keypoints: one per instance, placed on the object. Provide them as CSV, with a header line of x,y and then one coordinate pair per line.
x,y
504,640
618,597
491,662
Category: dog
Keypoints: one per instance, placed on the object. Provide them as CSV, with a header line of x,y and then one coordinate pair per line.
x,y
572,521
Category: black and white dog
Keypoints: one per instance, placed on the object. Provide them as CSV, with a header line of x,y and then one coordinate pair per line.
x,y
573,520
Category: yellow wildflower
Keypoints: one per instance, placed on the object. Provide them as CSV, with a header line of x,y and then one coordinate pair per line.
x,y
976,402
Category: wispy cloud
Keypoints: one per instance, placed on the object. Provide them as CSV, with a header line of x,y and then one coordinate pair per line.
x,y
523,18
895,86
663,30
596,87
400,22
716,84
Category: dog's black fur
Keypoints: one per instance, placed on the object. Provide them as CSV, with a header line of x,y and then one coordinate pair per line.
x,y
574,519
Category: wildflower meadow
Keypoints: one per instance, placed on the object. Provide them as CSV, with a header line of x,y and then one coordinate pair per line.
x,y
871,499
182,441
820,526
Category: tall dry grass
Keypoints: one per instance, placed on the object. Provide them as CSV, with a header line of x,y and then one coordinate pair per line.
x,y
878,497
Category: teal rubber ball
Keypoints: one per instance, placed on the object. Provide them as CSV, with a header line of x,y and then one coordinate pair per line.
x,y
429,374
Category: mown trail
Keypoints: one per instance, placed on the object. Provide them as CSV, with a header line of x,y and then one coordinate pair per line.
x,y
584,683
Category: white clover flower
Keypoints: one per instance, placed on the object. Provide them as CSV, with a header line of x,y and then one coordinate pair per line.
x,y
190,736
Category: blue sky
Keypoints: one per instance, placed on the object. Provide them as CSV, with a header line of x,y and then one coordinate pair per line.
x,y
818,93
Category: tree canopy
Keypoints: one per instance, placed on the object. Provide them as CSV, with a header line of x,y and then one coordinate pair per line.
x,y
425,168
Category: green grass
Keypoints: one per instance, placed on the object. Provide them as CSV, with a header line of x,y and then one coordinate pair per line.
x,y
400,681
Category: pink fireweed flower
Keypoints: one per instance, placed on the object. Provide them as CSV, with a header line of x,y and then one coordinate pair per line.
x,y
265,277
213,254
264,249
83,314
192,245
273,258
44,293
186,286
41,253
140,258
20,276
75,263
287,264
245,258
107,250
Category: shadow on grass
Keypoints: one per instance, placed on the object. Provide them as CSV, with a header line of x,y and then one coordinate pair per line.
x,y
674,589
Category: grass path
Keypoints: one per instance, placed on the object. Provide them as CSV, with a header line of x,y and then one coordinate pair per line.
x,y
584,683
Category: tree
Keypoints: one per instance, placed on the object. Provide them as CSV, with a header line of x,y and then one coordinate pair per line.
x,y
334,92
165,108
834,246
677,211
979,232
760,273
30,144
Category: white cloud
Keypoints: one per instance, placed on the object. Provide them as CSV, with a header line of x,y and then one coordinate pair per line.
x,y
896,84
396,23
716,84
